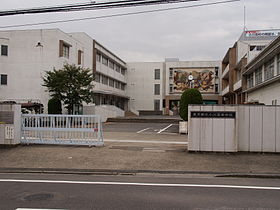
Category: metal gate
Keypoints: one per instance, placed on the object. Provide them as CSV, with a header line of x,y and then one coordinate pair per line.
x,y
62,129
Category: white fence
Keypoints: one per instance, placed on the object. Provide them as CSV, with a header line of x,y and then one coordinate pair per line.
x,y
62,129
252,129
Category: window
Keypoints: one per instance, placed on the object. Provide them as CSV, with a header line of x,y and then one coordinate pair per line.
x,y
216,71
269,69
157,74
123,71
117,85
258,76
4,79
157,89
216,88
122,86
66,50
278,64
4,50
111,82
105,61
260,48
171,88
163,103
170,73
98,57
118,68
80,53
97,78
156,105
252,47
111,64
104,80
250,80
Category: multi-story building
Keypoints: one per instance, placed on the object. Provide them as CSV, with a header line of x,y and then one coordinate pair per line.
x,y
27,54
145,87
249,45
262,76
156,87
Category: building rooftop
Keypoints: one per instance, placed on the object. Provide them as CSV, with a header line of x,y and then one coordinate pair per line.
x,y
259,35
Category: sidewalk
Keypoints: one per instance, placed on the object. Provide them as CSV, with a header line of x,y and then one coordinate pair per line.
x,y
137,156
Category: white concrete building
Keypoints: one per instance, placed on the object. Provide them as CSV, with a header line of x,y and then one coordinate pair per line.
x,y
145,87
156,87
245,49
27,54
263,76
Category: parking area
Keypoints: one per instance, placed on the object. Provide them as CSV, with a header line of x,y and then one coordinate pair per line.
x,y
142,128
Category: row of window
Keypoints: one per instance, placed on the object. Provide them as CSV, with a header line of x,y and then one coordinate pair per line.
x,y
111,64
269,68
4,50
109,81
257,47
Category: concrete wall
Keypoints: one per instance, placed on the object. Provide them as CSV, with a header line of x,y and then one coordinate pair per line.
x,y
140,87
10,130
266,94
210,134
255,129
105,111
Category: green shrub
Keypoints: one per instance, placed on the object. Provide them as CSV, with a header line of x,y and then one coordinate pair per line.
x,y
54,106
189,96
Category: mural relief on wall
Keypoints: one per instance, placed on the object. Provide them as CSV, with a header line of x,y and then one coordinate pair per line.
x,y
203,79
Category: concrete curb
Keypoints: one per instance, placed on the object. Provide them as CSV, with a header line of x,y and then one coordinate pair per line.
x,y
134,172
143,120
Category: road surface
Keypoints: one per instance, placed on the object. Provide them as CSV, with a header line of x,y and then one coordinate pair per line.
x,y
136,192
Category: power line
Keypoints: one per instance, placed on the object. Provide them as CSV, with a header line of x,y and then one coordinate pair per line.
x,y
119,15
90,6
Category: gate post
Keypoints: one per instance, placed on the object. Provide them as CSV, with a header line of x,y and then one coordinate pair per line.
x,y
10,126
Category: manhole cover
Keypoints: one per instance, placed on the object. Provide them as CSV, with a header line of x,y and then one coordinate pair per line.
x,y
39,197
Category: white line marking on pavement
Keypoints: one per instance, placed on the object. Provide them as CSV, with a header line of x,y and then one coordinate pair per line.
x,y
141,184
37,209
143,141
142,130
161,130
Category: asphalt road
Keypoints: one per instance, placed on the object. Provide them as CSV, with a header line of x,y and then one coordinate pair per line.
x,y
136,192
143,128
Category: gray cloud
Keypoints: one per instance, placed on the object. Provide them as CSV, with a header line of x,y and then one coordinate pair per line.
x,y
203,33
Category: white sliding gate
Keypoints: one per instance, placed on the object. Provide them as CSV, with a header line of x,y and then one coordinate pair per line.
x,y
62,129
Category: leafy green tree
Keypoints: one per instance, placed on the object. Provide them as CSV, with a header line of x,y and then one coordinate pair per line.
x,y
72,85
54,106
189,96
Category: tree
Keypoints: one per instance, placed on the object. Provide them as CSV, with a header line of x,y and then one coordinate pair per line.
x,y
54,106
189,96
72,85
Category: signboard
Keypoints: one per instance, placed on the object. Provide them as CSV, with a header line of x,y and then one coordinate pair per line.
x,y
202,79
264,33
218,114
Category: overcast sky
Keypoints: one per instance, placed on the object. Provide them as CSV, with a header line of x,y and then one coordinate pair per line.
x,y
202,33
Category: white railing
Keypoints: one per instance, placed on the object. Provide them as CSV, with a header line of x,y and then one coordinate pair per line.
x,y
225,72
225,91
237,85
62,129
